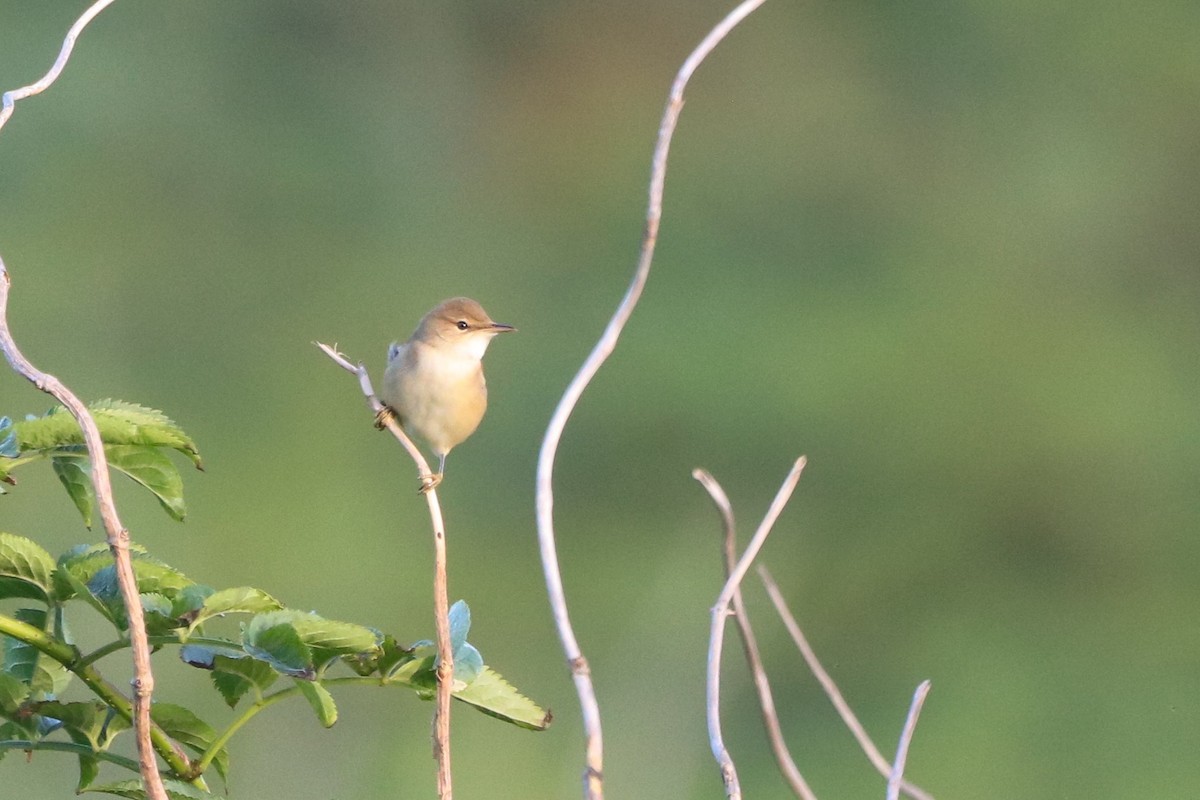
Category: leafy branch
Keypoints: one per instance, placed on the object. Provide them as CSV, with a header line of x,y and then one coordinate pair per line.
x,y
271,643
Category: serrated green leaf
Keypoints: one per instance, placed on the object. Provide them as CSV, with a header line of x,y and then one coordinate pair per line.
x,y
240,599
53,429
325,634
80,563
189,730
141,425
87,572
234,677
160,582
13,692
132,790
153,470
26,570
119,423
277,642
89,765
321,701
75,474
496,697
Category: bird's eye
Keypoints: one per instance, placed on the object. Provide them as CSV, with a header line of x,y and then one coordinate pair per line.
x,y
462,325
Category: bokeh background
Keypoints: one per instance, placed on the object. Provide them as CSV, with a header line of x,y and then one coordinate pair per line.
x,y
948,250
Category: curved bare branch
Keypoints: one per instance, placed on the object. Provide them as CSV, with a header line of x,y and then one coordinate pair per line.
x,y
594,747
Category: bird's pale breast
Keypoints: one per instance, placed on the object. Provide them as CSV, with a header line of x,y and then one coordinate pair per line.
x,y
440,397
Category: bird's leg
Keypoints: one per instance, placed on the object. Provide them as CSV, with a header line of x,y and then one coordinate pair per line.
x,y
430,481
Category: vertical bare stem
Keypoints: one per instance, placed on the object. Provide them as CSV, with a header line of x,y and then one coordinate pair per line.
x,y
720,611
910,727
118,541
766,700
593,779
831,690
117,535
441,598
441,621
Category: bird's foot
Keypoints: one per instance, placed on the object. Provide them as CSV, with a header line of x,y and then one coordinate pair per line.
x,y
429,482
381,419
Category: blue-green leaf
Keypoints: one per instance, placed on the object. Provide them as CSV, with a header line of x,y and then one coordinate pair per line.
x,y
9,447
460,624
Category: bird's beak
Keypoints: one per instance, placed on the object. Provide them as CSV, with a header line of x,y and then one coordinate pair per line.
x,y
500,327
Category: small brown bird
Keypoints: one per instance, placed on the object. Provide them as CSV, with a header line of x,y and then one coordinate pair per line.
x,y
434,381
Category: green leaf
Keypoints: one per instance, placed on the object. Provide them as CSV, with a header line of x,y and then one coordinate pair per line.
x,y
188,601
77,566
417,671
234,677
189,730
130,423
496,697
321,701
240,599
460,624
132,790
9,448
45,677
158,613
89,764
52,430
389,656
26,570
87,572
119,423
13,692
75,474
157,583
153,470
94,721
234,671
202,656
277,642
297,643
468,663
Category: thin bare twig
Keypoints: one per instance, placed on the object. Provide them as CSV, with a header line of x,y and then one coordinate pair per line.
x,y
766,701
831,690
117,535
716,637
593,779
910,727
441,595
10,98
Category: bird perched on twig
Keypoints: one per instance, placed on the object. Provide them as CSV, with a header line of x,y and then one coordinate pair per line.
x,y
434,381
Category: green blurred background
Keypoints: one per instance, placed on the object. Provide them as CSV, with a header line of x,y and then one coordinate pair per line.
x,y
947,250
